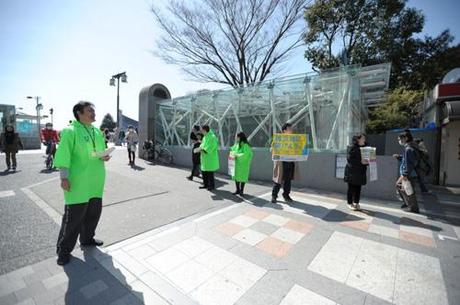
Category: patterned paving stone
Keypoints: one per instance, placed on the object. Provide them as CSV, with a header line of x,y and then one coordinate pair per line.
x,y
302,296
229,229
417,239
274,246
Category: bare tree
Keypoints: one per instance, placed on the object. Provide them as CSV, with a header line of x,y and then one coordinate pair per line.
x,y
235,42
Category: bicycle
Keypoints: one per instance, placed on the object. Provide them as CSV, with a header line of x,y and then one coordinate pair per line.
x,y
50,149
156,152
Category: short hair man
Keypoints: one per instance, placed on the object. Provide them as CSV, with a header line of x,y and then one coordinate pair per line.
x,y
209,157
284,172
82,179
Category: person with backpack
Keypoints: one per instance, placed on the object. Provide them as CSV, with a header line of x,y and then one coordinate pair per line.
x,y
404,184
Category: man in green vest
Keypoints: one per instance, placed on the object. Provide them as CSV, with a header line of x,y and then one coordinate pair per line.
x,y
82,172
209,157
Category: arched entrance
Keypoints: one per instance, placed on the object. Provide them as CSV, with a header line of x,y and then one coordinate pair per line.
x,y
148,98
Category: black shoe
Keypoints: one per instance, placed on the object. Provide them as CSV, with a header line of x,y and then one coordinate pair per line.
x,y
190,178
14,168
92,243
236,193
203,187
63,259
287,198
241,194
403,206
211,189
273,199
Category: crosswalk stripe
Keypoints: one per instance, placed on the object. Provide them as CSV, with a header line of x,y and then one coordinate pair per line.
x,y
7,194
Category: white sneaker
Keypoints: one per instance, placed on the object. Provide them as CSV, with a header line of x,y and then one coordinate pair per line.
x,y
351,207
357,207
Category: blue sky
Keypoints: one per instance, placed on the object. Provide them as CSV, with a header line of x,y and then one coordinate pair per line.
x,y
65,51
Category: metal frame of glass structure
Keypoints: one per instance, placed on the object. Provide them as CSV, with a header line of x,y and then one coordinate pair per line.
x,y
330,107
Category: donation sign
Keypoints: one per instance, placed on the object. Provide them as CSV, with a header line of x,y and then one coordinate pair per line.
x,y
290,147
370,154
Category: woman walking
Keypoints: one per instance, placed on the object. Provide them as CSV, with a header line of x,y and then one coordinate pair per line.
x,y
242,152
131,141
196,141
355,171
10,144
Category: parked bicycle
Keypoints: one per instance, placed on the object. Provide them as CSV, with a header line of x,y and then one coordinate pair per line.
x,y
156,152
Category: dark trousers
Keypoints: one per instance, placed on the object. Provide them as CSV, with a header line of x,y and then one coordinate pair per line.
x,y
354,193
286,188
131,155
208,179
195,170
78,219
288,175
10,156
240,187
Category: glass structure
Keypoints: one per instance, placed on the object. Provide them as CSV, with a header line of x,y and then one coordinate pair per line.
x,y
329,107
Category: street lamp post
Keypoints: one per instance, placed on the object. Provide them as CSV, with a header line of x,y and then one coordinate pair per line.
x,y
38,107
124,79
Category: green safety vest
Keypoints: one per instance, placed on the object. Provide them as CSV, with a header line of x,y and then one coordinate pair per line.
x,y
209,153
86,172
243,162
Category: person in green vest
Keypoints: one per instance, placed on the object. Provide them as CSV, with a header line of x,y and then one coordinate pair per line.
x,y
209,157
82,173
242,152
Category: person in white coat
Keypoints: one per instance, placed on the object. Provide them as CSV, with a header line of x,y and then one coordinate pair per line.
x,y
132,139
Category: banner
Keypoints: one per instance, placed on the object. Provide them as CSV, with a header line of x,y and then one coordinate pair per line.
x,y
373,170
340,163
290,147
231,166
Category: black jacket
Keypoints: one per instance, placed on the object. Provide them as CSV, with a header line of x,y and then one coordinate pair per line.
x,y
196,156
355,171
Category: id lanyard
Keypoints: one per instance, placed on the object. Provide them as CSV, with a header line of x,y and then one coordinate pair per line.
x,y
93,139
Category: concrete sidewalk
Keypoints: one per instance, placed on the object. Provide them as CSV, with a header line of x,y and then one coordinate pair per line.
x,y
313,251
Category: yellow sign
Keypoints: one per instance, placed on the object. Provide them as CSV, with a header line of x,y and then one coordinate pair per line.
x,y
290,147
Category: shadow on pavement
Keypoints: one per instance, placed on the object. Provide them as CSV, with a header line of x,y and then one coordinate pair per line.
x,y
137,168
91,283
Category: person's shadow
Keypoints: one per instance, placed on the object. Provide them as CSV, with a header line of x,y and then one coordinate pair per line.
x,y
97,281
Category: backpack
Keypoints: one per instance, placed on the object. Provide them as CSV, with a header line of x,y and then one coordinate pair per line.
x,y
423,166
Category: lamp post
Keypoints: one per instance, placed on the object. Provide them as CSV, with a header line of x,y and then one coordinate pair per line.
x,y
124,79
51,113
38,107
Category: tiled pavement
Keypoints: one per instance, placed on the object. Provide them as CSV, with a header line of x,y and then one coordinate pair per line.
x,y
313,251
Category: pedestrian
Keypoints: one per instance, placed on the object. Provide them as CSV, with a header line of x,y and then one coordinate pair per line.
x,y
82,172
196,141
242,152
132,139
284,172
405,184
194,132
106,136
10,142
209,157
355,171
121,137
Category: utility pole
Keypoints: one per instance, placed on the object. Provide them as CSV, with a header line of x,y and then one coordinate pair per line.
x,y
38,107
124,79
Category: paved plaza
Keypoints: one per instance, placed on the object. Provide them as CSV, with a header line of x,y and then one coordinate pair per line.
x,y
247,252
